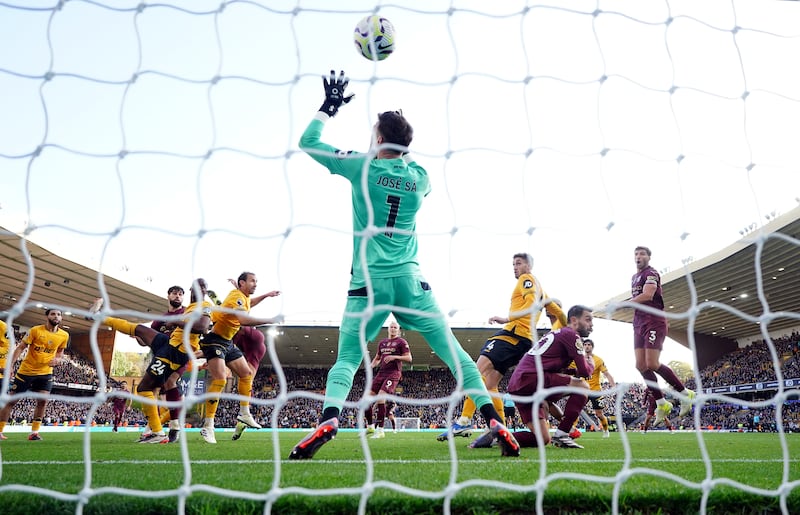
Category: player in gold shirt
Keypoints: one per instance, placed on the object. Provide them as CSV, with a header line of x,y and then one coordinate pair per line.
x,y
220,352
595,385
169,352
4,344
507,346
45,344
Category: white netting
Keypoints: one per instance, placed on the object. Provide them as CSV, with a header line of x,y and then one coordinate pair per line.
x,y
574,129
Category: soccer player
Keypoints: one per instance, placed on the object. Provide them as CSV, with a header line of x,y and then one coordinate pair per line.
x,y
594,384
390,407
651,409
45,344
171,391
169,352
392,353
509,410
119,405
250,341
4,346
649,332
388,188
553,353
220,352
507,346
175,300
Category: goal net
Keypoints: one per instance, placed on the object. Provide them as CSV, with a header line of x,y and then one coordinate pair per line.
x,y
157,143
406,424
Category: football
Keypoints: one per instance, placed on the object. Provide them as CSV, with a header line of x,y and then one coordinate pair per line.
x,y
374,38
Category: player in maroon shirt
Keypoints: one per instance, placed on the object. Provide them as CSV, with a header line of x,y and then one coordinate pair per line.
x,y
649,332
551,356
171,390
391,354
175,299
119,405
651,410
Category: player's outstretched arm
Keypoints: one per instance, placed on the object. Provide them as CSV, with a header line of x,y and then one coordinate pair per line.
x,y
249,320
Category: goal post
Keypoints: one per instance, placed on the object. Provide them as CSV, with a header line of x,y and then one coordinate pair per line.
x,y
407,423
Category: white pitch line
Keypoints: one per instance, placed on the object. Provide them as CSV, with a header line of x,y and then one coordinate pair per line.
x,y
389,462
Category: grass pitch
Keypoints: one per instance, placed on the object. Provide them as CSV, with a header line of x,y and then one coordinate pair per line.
x,y
407,472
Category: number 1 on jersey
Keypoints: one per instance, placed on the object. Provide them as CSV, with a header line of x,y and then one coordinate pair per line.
x,y
394,207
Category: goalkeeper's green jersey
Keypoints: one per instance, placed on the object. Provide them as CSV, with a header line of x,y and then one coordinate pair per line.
x,y
392,188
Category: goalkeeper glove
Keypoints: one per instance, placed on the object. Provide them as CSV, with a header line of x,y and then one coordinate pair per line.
x,y
334,93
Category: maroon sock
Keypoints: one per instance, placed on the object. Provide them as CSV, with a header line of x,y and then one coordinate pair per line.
x,y
670,377
525,439
368,414
381,415
572,411
650,377
174,394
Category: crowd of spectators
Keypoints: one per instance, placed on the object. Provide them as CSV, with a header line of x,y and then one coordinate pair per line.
x,y
753,363
76,369
750,364
747,365
304,389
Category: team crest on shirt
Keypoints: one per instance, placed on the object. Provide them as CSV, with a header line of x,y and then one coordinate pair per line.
x,y
579,345
239,302
528,284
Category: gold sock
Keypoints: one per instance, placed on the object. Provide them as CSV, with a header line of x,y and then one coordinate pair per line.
x,y
469,408
215,388
2,426
245,389
121,325
163,414
497,401
36,425
151,413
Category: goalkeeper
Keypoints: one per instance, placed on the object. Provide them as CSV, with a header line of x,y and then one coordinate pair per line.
x,y
388,188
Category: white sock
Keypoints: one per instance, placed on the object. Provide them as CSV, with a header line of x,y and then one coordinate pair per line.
x,y
464,421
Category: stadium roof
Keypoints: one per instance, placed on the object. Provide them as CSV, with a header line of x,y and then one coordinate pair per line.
x,y
726,293
61,283
58,282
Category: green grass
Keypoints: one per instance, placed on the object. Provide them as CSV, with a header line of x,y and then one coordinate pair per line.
x,y
665,474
